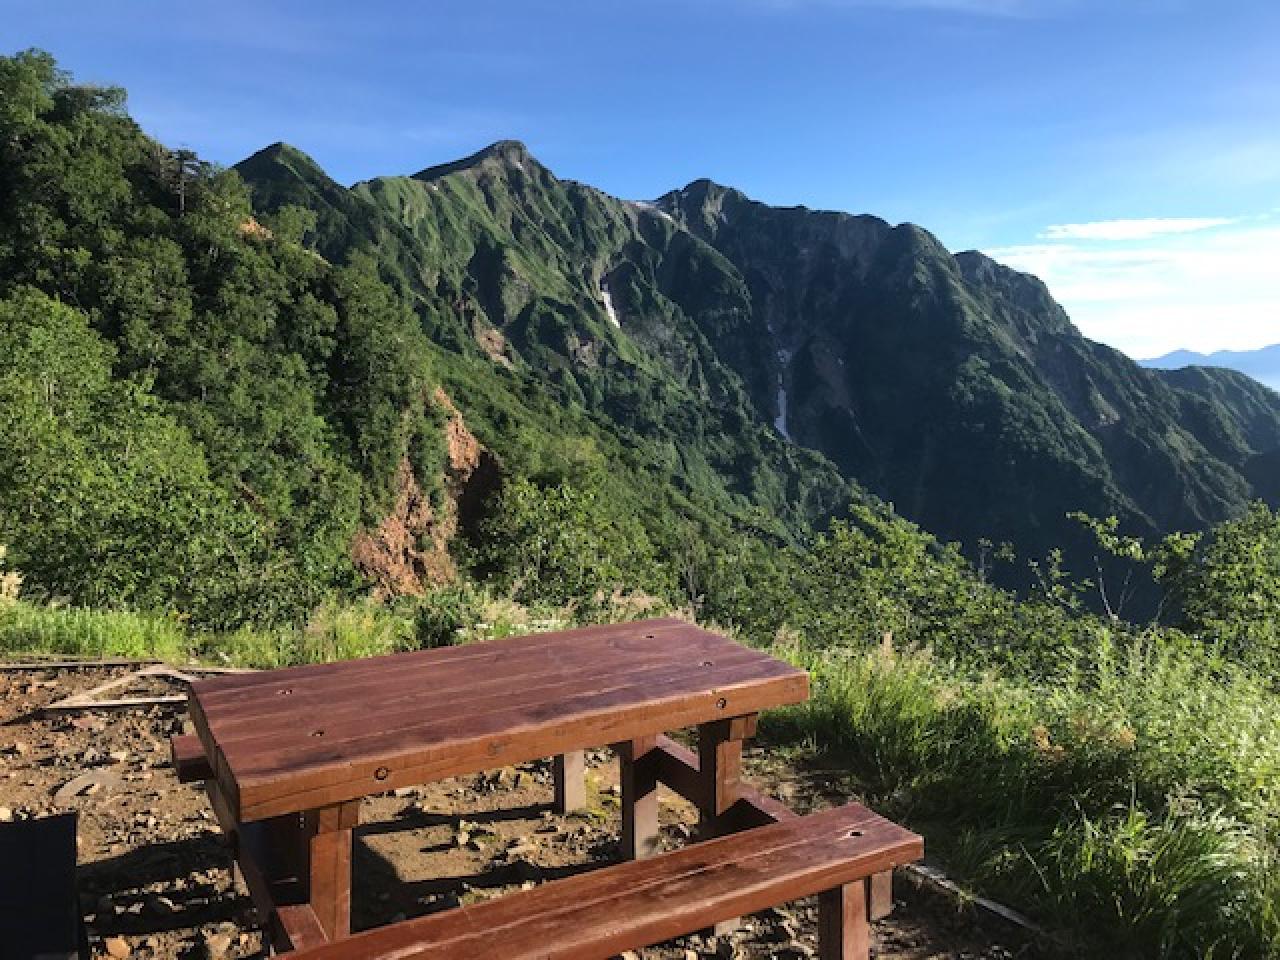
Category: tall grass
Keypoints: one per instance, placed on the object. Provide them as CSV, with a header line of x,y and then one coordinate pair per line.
x,y
1131,798
335,631
30,628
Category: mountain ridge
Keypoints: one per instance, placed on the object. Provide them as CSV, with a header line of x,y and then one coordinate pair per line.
x,y
948,384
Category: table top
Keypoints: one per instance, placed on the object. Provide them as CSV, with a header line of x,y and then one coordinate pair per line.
x,y
283,741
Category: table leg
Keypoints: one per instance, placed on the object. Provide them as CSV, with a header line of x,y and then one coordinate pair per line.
x,y
639,776
880,895
720,762
843,931
571,784
329,869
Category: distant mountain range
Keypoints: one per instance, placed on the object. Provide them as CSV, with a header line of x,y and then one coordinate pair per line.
x,y
1262,364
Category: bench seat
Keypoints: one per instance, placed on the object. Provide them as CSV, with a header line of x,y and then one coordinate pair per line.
x,y
190,764
601,913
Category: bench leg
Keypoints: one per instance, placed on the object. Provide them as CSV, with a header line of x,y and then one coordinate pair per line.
x,y
843,931
571,782
329,870
639,775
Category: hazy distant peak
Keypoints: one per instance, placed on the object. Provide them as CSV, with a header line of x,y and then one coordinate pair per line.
x,y
1262,364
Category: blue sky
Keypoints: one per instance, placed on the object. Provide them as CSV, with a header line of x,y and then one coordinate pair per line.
x,y
1127,151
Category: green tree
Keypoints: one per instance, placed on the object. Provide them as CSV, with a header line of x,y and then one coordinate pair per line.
x,y
1232,590
105,500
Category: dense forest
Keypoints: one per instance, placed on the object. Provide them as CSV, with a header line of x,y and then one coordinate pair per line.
x,y
251,414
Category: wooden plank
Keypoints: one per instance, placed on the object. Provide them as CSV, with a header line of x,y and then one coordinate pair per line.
x,y
117,704
639,779
254,880
262,685
453,685
295,744
291,740
189,762
570,775
346,712
397,759
720,764
639,903
271,856
678,768
843,931
65,664
300,738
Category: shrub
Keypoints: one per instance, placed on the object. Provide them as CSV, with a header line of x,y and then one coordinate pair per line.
x,y
441,617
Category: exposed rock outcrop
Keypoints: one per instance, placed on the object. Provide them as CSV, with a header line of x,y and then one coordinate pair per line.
x,y
408,552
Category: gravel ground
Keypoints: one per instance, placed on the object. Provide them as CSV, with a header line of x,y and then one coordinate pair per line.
x,y
156,879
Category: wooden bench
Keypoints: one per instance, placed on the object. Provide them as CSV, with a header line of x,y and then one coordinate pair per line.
x,y
286,756
596,915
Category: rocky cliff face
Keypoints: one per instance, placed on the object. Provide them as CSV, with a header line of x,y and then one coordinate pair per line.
x,y
410,550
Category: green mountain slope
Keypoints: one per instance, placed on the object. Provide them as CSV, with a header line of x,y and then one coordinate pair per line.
x,y
959,390
951,386
538,286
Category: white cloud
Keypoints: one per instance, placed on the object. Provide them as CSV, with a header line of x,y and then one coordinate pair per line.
x,y
1140,229
1212,288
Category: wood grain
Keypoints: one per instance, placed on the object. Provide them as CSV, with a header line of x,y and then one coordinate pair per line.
x,y
306,737
189,762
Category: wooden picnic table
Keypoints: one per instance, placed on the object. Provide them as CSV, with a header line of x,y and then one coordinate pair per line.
x,y
288,754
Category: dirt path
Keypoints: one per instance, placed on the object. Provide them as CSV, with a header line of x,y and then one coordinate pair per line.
x,y
156,880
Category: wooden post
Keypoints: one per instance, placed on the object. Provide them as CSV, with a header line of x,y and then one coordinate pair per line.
x,y
639,776
720,762
843,931
571,784
329,888
880,895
